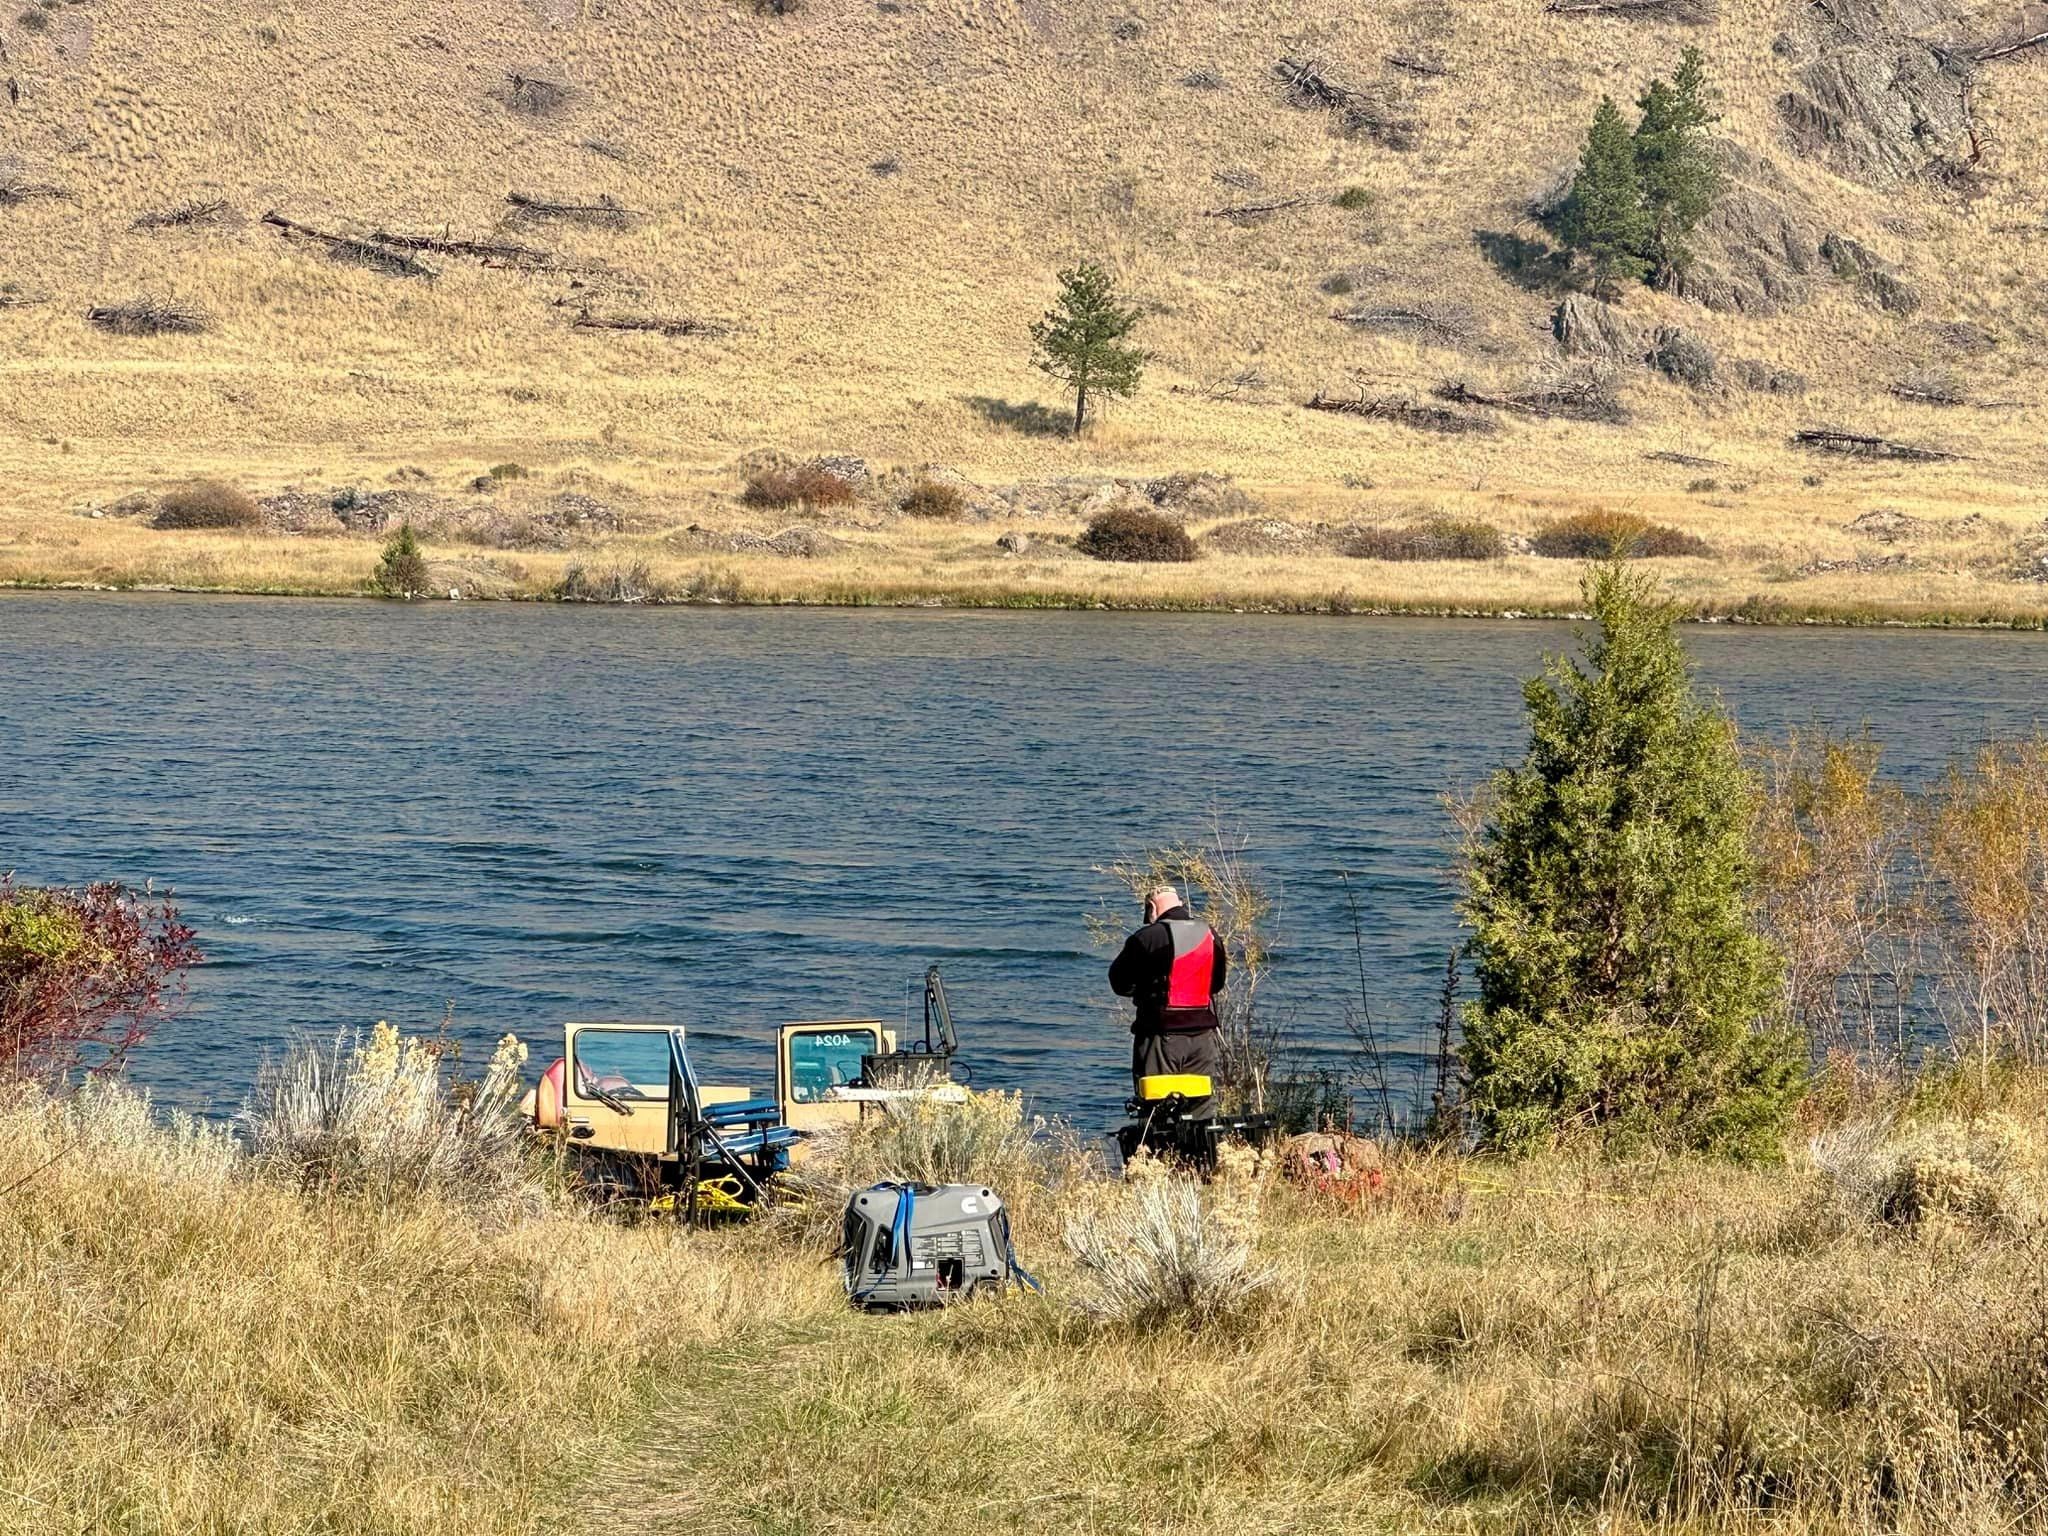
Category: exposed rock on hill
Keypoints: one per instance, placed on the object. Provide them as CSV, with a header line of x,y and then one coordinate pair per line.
x,y
1879,97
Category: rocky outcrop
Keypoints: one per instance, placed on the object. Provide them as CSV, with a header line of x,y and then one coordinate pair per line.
x,y
1855,263
1876,97
1588,328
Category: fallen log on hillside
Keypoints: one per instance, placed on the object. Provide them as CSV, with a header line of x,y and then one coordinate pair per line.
x,y
1402,412
1310,88
1416,64
1691,12
19,300
1863,445
492,253
149,316
605,212
1445,324
660,325
354,251
1251,213
1686,460
1579,400
187,216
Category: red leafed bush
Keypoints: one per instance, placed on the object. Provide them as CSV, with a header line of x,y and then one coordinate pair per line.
x,y
85,975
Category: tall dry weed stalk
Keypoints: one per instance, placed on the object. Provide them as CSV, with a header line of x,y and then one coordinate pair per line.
x,y
378,1118
1833,843
1227,893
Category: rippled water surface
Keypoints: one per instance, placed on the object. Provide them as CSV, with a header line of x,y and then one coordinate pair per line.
x,y
732,818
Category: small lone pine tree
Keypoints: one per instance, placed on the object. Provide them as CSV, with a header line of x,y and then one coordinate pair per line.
x,y
1676,162
402,572
1080,341
1622,989
1605,219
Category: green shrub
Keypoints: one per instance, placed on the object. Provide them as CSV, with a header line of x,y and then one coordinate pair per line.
x,y
932,498
402,572
1623,992
808,485
1127,533
1353,199
1435,538
1602,534
207,504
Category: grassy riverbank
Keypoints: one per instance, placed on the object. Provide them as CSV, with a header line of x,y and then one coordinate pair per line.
x,y
1788,569
1553,1345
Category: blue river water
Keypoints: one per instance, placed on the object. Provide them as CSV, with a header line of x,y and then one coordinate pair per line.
x,y
736,817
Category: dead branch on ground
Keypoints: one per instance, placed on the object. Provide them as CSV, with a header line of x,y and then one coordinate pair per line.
x,y
1251,213
1444,324
604,212
16,189
1416,64
350,249
492,253
660,325
1694,12
186,216
149,316
1584,398
20,300
1687,460
1402,412
2006,50
536,95
1862,445
1310,88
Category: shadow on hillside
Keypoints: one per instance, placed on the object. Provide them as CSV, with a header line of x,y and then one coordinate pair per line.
x,y
1028,416
1536,265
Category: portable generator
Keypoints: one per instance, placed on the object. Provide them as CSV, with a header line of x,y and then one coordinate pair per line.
x,y
1174,1117
910,1247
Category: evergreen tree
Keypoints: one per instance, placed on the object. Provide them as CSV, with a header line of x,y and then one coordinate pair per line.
x,y
1605,219
1081,340
1622,990
1675,160
402,572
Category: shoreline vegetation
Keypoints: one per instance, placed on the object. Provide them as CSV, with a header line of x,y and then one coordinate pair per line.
x,y
1728,1212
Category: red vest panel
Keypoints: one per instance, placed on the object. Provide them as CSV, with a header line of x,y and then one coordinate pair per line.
x,y
1189,983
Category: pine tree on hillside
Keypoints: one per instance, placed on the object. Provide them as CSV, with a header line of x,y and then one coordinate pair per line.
x,y
1675,160
1605,219
1622,989
1081,340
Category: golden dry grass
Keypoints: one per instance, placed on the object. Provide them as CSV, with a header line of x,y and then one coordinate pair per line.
x,y
1559,1345
870,312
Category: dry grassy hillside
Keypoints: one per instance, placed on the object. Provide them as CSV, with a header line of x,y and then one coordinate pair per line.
x,y
870,200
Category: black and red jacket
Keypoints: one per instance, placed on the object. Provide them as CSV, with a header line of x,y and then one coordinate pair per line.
x,y
1173,968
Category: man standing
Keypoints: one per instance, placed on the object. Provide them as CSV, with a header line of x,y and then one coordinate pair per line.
x,y
1173,968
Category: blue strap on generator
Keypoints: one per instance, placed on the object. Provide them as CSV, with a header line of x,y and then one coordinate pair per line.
x,y
899,1235
1018,1272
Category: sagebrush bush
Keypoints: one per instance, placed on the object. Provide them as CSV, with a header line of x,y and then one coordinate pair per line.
x,y
934,499
1131,534
1161,1250
1436,538
378,1119
807,485
1604,533
983,1138
207,504
1984,1174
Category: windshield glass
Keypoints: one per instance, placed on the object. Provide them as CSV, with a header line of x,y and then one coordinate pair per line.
x,y
623,1063
820,1060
